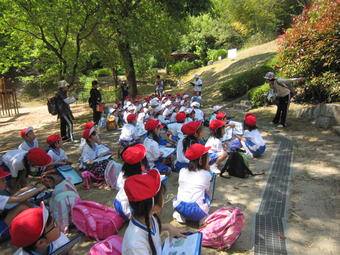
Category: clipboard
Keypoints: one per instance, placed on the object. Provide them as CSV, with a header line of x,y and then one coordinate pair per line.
x,y
63,250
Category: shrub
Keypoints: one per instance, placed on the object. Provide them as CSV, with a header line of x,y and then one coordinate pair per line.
x,y
310,48
214,54
244,81
257,96
101,72
181,68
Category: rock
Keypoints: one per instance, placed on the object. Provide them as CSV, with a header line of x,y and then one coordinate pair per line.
x,y
323,122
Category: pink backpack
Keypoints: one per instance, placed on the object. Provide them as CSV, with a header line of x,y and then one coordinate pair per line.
x,y
110,246
96,220
112,171
222,228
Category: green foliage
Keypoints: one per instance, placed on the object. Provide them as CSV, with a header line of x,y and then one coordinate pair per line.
x,y
257,96
181,68
310,48
101,72
241,83
214,54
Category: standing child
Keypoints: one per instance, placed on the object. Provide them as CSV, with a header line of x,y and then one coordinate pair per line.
x,y
34,231
146,198
134,163
193,198
252,140
29,139
151,143
56,152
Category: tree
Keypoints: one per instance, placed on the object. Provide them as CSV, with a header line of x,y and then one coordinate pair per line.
x,y
62,27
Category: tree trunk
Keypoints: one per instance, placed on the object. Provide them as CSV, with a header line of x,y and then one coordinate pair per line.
x,y
124,49
115,76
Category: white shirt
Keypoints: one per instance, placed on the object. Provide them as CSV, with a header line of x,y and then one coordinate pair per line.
x,y
187,120
152,151
63,239
197,87
14,161
199,115
173,117
122,198
175,129
3,202
215,143
128,132
140,118
162,119
167,112
57,156
212,117
26,146
136,240
193,185
255,137
88,154
179,152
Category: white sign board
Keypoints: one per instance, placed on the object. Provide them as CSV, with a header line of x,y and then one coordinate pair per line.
x,y
232,53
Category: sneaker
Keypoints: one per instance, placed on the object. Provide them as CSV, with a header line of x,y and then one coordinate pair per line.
x,y
280,126
178,217
215,169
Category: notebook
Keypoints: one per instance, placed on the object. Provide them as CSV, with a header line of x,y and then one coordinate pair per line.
x,y
167,151
63,250
191,245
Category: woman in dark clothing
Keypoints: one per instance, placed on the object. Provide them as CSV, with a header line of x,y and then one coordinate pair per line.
x,y
94,100
64,111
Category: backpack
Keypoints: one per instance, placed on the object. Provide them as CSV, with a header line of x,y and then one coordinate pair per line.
x,y
96,220
111,173
222,228
110,246
237,166
52,105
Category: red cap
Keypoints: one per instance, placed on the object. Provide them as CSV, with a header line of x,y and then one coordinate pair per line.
x,y
215,124
27,227
146,98
131,117
52,139
250,120
134,101
3,173
88,132
134,154
195,151
152,124
89,125
38,157
25,131
140,187
180,117
127,98
178,95
220,115
191,127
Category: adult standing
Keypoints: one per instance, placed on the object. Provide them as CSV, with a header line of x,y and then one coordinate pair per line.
x,y
197,85
283,90
159,86
94,101
64,111
125,90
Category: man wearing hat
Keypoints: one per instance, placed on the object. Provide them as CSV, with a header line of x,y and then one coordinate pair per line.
x,y
197,85
64,111
284,92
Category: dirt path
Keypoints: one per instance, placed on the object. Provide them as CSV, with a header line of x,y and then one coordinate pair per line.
x,y
313,223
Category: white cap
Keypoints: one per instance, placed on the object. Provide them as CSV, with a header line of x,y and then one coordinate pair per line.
x,y
217,108
158,109
195,104
185,96
167,103
63,84
189,110
196,76
269,76
182,109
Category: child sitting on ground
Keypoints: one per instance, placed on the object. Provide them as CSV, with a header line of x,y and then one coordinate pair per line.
x,y
151,143
56,152
216,110
29,139
217,152
193,198
128,133
63,197
34,231
134,163
252,140
12,205
22,163
146,198
174,129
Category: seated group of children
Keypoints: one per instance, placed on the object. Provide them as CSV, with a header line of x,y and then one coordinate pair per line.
x,y
159,136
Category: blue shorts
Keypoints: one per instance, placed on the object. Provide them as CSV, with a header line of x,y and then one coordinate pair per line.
x,y
175,138
212,158
191,210
180,165
260,150
163,169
